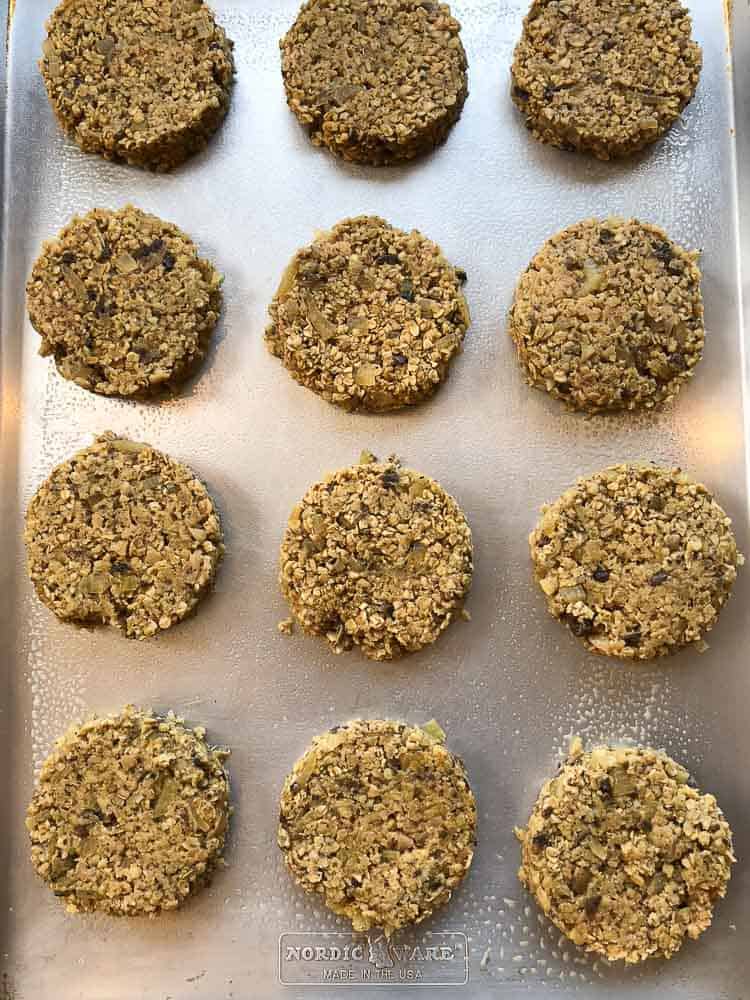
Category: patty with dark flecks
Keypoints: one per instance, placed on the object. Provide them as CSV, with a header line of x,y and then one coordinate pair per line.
x,y
376,556
130,814
623,855
123,535
369,316
605,77
636,560
147,83
123,303
375,81
609,316
378,818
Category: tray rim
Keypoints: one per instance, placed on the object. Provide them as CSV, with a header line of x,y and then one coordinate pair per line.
x,y
7,504
737,18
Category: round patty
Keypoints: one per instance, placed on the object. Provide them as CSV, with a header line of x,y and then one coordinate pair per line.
x,y
369,316
123,302
623,856
376,81
141,82
609,316
636,560
604,76
378,818
130,814
122,535
376,556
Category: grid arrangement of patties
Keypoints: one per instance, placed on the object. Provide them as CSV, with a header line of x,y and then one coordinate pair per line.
x,y
130,811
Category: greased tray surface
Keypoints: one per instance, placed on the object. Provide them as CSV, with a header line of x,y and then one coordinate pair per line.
x,y
511,686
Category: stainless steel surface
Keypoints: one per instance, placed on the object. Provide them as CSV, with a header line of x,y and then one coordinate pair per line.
x,y
510,686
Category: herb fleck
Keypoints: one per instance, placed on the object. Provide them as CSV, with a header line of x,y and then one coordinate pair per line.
x,y
407,290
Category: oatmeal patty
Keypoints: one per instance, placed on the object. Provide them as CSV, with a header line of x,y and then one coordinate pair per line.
x,y
609,316
123,302
378,818
636,560
122,535
376,81
369,316
623,855
376,556
604,76
130,814
148,83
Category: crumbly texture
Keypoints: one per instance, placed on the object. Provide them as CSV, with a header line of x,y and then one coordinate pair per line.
x,y
130,814
609,316
376,81
604,76
147,83
369,316
623,855
636,560
123,302
376,556
122,535
379,819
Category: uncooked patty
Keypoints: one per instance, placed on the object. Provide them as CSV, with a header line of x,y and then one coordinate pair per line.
x,y
376,556
376,81
379,819
369,316
130,814
604,76
141,82
609,315
623,855
122,535
636,560
123,302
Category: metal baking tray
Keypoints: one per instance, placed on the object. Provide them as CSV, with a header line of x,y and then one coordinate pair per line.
x,y
510,686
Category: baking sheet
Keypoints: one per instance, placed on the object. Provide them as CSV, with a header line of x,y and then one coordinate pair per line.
x,y
509,687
